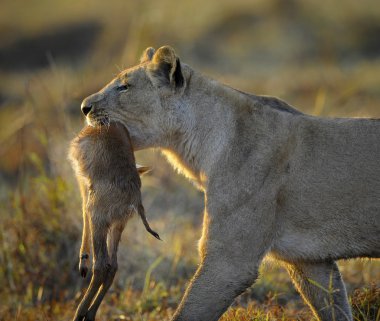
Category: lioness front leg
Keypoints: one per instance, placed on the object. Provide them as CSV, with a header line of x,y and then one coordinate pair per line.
x,y
321,286
212,290
229,265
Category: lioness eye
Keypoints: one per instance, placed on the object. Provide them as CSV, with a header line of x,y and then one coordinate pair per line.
x,y
122,87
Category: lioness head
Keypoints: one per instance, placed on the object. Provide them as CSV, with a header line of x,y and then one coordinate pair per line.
x,y
143,98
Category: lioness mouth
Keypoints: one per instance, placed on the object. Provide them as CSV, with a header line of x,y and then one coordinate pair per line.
x,y
101,121
104,121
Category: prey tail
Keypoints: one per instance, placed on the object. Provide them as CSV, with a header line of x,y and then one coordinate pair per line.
x,y
141,212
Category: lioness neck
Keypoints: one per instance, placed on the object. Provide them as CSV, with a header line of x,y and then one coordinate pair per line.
x,y
208,117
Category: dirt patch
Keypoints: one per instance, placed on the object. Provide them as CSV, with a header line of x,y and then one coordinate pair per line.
x,y
68,43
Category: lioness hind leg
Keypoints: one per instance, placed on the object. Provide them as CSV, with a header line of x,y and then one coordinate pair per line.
x,y
321,286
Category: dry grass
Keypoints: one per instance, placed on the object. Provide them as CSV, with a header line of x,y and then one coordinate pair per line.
x,y
324,59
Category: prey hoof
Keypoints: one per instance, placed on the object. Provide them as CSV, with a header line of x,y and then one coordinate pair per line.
x,y
89,316
79,318
83,271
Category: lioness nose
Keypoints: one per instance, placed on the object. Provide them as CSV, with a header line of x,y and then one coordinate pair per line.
x,y
86,107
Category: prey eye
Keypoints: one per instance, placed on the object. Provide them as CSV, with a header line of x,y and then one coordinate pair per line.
x,y
123,87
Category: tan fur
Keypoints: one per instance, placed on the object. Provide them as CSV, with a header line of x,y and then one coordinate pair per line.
x,y
303,189
105,167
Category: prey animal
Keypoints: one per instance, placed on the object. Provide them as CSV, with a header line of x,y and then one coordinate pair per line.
x,y
109,181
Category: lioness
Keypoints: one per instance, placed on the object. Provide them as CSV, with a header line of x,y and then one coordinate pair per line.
x,y
276,181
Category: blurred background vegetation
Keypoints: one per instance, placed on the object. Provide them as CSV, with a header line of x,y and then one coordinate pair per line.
x,y
322,57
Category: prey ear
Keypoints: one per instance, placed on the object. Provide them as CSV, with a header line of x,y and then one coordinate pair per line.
x,y
165,68
147,55
143,169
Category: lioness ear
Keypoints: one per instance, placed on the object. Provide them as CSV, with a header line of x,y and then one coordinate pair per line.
x,y
143,169
165,68
147,55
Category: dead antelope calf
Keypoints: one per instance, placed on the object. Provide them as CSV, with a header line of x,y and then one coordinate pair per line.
x,y
104,163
